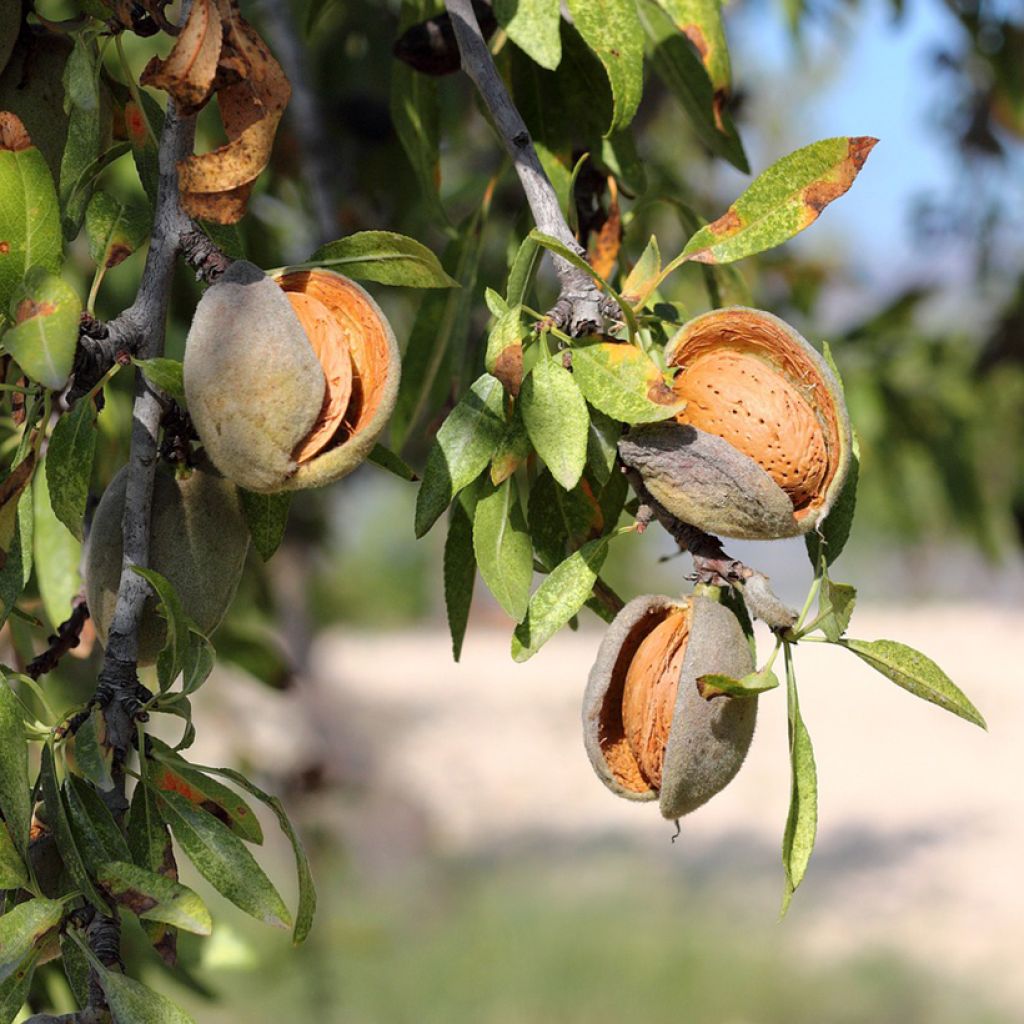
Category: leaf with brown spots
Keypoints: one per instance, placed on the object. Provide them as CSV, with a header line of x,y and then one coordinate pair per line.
x,y
173,774
114,229
643,279
781,202
188,72
623,382
152,897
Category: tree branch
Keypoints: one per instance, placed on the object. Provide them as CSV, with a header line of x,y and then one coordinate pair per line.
x,y
67,638
711,564
581,307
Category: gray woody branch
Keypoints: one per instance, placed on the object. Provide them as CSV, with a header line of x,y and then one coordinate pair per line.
x,y
581,307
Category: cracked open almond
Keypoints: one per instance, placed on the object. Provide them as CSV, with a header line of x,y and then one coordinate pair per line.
x,y
762,448
289,379
648,732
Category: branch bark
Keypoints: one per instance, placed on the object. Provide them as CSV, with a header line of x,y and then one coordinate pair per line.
x,y
581,307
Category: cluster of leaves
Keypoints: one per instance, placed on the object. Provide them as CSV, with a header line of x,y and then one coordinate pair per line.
x,y
526,462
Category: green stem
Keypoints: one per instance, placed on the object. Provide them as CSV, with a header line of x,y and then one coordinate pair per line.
x,y
97,280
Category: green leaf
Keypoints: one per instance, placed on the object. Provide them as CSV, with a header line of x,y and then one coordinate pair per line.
x,y
96,833
677,64
30,218
916,673
533,25
459,569
114,229
13,873
522,272
196,664
307,891
23,929
57,556
384,257
224,860
143,141
624,382
802,821
149,840
831,535
81,190
438,335
45,332
173,774
93,757
556,418
170,607
501,543
504,354
395,464
63,835
835,608
416,115
15,799
153,897
612,30
782,201
467,440
69,459
165,374
14,991
602,444
76,969
15,543
715,685
133,1003
701,22
645,276
559,598
85,129
267,516
513,451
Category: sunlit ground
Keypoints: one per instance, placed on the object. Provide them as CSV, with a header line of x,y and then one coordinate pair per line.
x,y
472,868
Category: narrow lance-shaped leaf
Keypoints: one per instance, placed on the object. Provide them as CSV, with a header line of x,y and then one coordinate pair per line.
x,y
224,860
30,233
385,257
556,418
701,22
57,555
513,450
14,991
23,928
16,523
153,897
644,276
45,311
13,873
93,756
394,464
173,774
624,382
173,611
714,685
459,569
130,1000
781,202
82,148
69,459
602,444
307,891
916,673
463,448
562,594
67,845
835,608
97,835
802,821
15,800
612,30
504,552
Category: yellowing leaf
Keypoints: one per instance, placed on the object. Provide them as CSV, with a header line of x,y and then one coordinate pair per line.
x,y
188,72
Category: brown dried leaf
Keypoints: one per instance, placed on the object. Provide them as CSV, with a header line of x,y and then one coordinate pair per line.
x,y
13,135
188,72
604,251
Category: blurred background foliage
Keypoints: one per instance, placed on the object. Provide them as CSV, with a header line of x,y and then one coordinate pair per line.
x,y
920,292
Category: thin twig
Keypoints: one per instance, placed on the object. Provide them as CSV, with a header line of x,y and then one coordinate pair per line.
x,y
67,638
581,308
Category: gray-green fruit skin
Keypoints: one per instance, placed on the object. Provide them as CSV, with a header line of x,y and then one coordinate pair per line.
x,y
253,384
703,480
198,540
708,740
